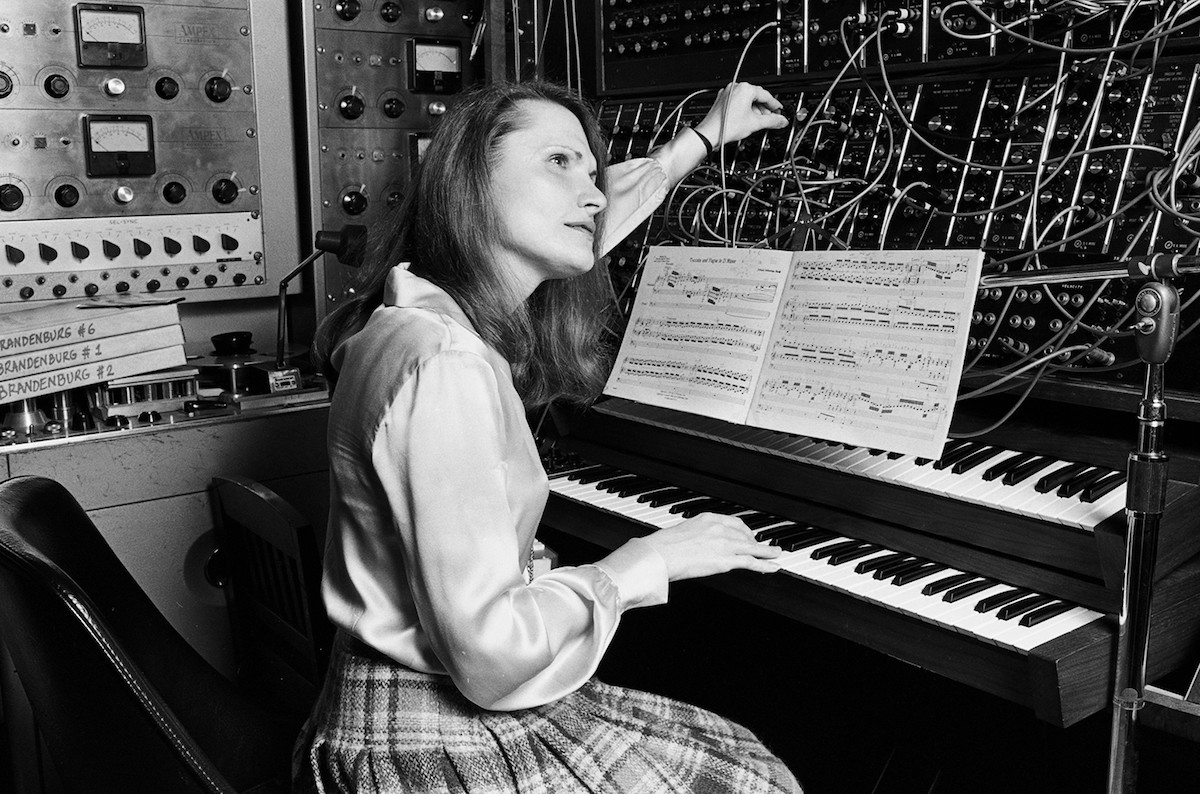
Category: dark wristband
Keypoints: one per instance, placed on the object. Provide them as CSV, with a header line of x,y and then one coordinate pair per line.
x,y
708,147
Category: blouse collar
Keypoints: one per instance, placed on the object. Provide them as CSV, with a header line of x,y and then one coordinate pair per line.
x,y
408,290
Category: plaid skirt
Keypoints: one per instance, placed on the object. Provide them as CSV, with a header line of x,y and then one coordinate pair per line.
x,y
381,727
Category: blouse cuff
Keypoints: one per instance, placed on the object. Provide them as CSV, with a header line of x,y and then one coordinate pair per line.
x,y
639,572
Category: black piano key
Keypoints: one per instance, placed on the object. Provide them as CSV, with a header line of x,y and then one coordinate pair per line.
x,y
849,555
1024,471
891,570
968,589
667,497
1056,478
719,506
1010,611
867,566
783,531
997,600
1007,465
578,471
975,459
1045,613
613,484
920,572
596,475
895,455
641,488
1103,486
696,506
836,548
759,520
873,452
937,586
806,540
955,454
1076,484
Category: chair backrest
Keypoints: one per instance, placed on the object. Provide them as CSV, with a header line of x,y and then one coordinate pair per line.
x,y
122,701
282,637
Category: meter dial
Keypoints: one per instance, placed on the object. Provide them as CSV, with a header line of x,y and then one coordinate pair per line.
x,y
436,58
110,27
119,136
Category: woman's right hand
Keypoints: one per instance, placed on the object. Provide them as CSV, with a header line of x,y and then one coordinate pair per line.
x,y
711,543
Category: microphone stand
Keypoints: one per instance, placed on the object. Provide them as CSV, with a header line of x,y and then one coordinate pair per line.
x,y
1157,308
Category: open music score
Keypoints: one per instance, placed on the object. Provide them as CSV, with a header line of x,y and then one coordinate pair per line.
x,y
862,347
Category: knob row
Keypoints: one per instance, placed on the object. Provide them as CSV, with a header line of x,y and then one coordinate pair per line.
x,y
12,198
58,86
111,250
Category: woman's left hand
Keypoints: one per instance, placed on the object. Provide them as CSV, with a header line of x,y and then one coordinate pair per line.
x,y
745,109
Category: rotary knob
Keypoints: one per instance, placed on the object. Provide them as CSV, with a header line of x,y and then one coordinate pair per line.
x,y
354,203
66,195
57,86
174,192
436,108
390,12
351,106
123,194
6,85
434,14
393,108
11,197
114,86
166,88
225,191
218,89
347,9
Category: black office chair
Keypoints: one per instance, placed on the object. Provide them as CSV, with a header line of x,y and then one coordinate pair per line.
x,y
282,637
122,701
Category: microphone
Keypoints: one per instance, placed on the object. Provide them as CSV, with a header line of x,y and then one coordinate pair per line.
x,y
349,245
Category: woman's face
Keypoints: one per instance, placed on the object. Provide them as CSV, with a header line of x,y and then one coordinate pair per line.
x,y
546,199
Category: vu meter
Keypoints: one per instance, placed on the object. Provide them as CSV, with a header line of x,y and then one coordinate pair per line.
x,y
118,145
435,67
113,36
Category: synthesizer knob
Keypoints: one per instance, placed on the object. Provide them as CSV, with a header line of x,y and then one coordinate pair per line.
x,y
6,85
123,194
351,106
228,242
171,246
122,286
80,251
114,86
47,253
11,197
393,108
354,203
57,86
218,89
210,280
141,248
58,290
14,255
182,282
239,279
174,192
390,12
436,108
26,293
66,195
225,191
348,10
90,289
200,245
111,250
167,88
434,14
153,285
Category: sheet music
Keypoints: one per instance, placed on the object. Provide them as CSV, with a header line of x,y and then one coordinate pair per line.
x,y
868,348
698,332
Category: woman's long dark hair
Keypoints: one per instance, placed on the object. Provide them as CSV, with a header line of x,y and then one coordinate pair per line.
x,y
444,228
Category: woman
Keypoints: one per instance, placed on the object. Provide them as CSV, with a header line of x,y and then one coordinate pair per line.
x,y
453,669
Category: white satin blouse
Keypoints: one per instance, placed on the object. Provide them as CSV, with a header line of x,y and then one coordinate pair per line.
x,y
436,491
